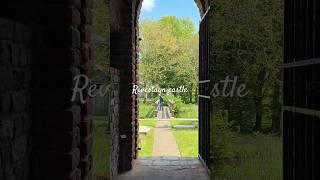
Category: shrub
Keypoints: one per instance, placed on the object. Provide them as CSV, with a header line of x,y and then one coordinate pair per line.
x,y
222,135
175,103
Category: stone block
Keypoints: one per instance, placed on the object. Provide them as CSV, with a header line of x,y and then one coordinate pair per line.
x,y
5,53
7,128
5,103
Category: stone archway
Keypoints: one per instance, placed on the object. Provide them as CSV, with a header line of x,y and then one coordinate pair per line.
x,y
124,37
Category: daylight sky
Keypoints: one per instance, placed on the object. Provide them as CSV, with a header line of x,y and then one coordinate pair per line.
x,y
155,9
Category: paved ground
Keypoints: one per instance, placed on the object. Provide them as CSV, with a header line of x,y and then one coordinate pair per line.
x,y
164,141
166,168
164,114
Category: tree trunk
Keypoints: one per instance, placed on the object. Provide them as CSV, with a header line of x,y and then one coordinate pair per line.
x,y
258,100
259,111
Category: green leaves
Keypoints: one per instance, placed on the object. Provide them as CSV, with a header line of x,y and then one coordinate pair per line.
x,y
169,53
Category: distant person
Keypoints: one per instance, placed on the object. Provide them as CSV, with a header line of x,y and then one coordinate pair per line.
x,y
160,102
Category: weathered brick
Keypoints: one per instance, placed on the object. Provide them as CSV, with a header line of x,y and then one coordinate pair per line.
x,y
87,4
6,78
19,101
85,166
19,148
85,33
58,162
57,140
86,16
19,55
21,78
5,53
5,103
58,119
22,125
6,29
86,128
7,127
60,15
85,145
22,33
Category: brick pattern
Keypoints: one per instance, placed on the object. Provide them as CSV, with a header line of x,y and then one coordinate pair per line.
x,y
114,121
123,58
15,121
62,130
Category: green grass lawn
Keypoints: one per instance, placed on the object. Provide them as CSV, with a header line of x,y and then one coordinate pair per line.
x,y
146,110
148,122
100,151
146,144
146,141
182,122
251,158
187,140
188,111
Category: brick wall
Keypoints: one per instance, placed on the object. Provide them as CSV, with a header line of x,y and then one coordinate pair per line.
x,y
15,121
114,121
123,58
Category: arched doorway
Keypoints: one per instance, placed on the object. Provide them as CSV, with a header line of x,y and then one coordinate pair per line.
x,y
124,49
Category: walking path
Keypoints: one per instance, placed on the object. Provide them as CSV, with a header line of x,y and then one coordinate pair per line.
x,y
164,141
166,163
166,168
164,114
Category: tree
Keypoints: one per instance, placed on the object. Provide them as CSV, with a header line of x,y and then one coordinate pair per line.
x,y
169,54
247,42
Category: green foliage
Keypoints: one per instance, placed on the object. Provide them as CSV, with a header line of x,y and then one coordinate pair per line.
x,y
172,60
174,122
251,157
175,103
188,111
247,43
146,110
146,144
148,122
100,37
220,137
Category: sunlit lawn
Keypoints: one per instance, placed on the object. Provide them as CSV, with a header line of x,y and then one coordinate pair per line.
x,y
146,141
251,158
148,122
187,139
183,122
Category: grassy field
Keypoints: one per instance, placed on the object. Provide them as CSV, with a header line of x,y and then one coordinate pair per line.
x,y
188,111
146,110
148,122
146,141
183,122
251,158
100,151
187,139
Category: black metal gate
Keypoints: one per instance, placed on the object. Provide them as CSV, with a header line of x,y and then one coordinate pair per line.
x,y
204,92
301,110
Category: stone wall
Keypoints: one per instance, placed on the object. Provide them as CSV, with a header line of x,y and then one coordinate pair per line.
x,y
61,137
114,121
15,80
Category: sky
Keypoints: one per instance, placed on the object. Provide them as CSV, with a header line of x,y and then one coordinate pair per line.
x,y
155,9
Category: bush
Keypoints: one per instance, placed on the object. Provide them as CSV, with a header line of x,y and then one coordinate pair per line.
x,y
221,136
175,103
